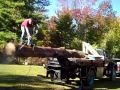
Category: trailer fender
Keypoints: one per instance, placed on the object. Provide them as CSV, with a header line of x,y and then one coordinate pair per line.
x,y
99,72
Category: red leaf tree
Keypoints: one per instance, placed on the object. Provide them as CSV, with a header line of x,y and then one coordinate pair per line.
x,y
80,9
91,15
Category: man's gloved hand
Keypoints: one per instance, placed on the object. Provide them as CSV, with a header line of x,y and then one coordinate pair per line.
x,y
36,32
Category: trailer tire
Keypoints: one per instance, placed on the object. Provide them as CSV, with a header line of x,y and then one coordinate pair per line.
x,y
113,74
111,71
52,75
90,77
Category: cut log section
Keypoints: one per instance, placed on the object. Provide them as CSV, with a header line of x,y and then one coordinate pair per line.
x,y
46,52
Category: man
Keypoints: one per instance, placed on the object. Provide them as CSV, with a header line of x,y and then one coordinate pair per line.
x,y
26,28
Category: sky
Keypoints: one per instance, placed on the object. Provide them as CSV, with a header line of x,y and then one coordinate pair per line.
x,y
54,6
116,6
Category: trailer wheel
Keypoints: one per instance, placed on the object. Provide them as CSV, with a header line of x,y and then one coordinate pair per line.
x,y
90,77
52,75
113,74
111,71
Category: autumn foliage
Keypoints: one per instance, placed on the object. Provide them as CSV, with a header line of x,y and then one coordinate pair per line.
x,y
82,8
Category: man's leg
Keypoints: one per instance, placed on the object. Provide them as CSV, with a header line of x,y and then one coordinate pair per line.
x,y
28,35
22,34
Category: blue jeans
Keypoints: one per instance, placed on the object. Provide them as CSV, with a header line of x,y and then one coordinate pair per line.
x,y
25,29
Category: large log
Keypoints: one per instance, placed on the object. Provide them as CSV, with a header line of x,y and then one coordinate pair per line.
x,y
47,52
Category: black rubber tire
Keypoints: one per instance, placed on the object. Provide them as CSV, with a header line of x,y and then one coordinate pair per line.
x,y
52,75
90,77
113,74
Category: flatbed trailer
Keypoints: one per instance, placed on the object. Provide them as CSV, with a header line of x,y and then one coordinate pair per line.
x,y
92,69
86,70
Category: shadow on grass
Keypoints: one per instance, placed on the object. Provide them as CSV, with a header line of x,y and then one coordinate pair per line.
x,y
107,84
23,88
19,82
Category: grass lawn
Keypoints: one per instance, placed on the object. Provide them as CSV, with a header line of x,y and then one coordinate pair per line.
x,y
28,77
21,77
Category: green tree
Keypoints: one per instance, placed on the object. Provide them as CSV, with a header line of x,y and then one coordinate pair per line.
x,y
111,41
92,23
65,29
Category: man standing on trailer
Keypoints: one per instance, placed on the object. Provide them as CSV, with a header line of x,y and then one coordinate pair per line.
x,y
26,26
